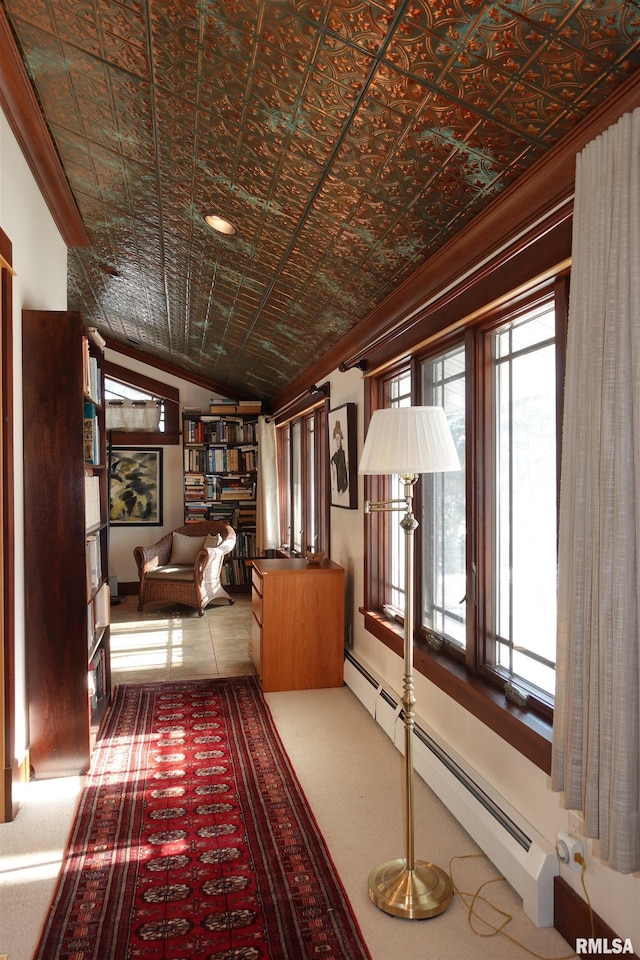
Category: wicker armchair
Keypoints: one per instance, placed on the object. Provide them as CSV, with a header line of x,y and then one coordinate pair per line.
x,y
185,565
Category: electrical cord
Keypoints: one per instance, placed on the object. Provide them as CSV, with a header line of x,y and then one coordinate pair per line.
x,y
471,900
583,866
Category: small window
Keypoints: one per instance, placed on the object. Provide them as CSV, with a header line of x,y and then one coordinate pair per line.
x,y
127,386
129,408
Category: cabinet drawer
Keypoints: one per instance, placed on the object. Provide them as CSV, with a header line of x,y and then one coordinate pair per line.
x,y
256,605
256,646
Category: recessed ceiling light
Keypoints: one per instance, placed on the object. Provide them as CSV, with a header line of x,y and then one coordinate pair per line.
x,y
220,224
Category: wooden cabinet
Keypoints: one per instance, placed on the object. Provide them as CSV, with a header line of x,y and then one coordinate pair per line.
x,y
297,638
66,528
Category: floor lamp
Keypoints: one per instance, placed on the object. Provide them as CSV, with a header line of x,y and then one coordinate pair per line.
x,y
408,441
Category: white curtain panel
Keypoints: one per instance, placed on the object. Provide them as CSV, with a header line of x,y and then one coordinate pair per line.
x,y
596,754
267,503
132,415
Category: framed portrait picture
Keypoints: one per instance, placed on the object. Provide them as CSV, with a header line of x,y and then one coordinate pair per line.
x,y
135,486
341,424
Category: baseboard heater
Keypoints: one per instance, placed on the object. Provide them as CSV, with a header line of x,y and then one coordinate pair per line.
x,y
525,858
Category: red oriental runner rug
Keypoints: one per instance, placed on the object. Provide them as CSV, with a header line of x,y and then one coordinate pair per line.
x,y
193,840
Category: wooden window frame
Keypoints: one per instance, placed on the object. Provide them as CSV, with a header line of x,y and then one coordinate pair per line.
x,y
170,436
462,674
284,446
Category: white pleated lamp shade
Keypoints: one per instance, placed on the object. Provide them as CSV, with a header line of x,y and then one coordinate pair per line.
x,y
408,440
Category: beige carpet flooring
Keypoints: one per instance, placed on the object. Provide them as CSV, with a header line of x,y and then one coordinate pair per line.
x,y
351,774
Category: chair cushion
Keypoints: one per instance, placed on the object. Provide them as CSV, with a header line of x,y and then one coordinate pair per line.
x,y
175,571
212,540
185,549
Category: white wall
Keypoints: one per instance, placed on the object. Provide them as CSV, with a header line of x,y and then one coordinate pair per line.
x,y
40,262
523,785
123,540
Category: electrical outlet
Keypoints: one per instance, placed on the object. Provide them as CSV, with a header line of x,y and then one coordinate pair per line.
x,y
576,824
567,848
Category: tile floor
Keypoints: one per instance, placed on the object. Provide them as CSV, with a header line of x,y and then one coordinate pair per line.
x,y
171,642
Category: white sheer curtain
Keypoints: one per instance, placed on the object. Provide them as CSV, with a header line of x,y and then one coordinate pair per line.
x,y
596,753
267,524
132,415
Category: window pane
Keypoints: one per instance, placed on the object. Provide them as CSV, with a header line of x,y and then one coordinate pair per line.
x,y
284,469
444,507
312,532
525,506
399,396
296,478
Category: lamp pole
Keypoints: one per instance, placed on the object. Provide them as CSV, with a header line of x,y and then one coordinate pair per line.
x,y
408,441
409,888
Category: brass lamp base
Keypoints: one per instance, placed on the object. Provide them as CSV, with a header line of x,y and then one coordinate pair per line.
x,y
417,894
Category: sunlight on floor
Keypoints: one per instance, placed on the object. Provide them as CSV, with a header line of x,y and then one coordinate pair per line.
x,y
158,644
41,862
26,868
167,641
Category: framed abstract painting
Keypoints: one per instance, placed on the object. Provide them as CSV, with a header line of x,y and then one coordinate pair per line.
x,y
135,486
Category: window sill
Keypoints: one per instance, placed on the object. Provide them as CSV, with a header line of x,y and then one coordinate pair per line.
x,y
523,729
142,438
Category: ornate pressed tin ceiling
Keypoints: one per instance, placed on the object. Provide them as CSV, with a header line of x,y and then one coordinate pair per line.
x,y
347,141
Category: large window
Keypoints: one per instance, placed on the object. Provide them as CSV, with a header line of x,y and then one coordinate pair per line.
x,y
302,469
486,544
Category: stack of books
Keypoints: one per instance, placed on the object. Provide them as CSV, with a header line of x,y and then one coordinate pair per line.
x,y
242,407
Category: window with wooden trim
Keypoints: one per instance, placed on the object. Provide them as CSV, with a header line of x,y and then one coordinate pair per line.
x,y
485,573
303,473
124,384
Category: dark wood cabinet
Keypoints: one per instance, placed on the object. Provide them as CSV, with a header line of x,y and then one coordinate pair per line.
x,y
66,549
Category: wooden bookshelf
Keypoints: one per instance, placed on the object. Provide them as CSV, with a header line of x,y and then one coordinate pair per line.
x,y
220,478
66,542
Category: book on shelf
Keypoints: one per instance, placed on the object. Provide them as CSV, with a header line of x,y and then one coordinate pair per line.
x,y
222,406
93,562
91,500
212,485
102,605
91,628
196,511
220,429
91,434
220,512
91,379
97,679
235,406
